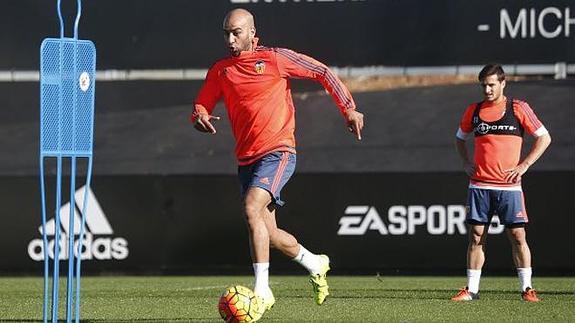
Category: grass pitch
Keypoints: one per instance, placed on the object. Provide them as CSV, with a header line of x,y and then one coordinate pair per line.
x,y
353,299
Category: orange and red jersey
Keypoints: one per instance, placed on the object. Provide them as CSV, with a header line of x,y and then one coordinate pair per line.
x,y
498,130
255,88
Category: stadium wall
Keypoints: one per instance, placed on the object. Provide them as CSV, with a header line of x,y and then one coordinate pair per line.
x,y
393,223
168,198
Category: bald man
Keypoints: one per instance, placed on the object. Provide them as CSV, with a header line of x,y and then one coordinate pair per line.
x,y
254,84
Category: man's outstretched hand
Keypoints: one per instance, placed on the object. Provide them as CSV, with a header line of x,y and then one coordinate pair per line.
x,y
354,121
204,124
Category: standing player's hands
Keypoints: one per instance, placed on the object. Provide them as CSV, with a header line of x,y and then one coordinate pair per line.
x,y
469,168
514,175
354,120
204,124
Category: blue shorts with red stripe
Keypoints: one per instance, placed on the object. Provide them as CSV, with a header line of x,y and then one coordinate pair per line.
x,y
509,206
271,172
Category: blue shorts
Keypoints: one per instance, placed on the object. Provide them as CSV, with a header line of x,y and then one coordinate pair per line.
x,y
509,206
271,172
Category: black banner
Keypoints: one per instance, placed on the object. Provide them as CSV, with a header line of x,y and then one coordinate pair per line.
x,y
366,223
136,34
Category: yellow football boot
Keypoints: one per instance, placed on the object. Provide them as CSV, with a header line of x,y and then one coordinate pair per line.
x,y
319,281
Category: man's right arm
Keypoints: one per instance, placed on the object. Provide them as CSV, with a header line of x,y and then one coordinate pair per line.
x,y
463,133
204,104
461,147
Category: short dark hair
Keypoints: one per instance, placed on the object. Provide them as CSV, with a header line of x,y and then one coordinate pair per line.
x,y
492,69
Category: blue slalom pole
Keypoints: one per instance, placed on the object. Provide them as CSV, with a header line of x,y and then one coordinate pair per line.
x,y
81,238
57,227
70,282
44,243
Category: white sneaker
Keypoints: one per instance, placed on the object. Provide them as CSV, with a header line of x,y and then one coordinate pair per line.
x,y
268,299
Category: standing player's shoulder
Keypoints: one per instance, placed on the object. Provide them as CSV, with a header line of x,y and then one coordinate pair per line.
x,y
472,106
521,105
519,102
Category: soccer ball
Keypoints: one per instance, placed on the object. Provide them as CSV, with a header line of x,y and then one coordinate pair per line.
x,y
238,304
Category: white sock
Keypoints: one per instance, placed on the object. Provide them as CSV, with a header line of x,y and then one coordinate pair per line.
x,y
310,261
261,272
473,277
524,278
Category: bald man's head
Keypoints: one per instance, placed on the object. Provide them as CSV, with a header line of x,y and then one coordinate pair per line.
x,y
240,15
239,31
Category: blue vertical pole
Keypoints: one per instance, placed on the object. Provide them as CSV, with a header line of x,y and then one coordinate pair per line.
x,y
57,227
70,281
44,242
81,237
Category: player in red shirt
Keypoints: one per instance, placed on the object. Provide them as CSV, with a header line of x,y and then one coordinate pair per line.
x,y
254,84
498,124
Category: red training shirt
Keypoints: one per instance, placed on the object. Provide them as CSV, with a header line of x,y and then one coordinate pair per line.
x,y
256,91
494,154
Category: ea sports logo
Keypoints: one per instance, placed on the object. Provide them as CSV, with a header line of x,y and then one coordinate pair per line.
x,y
482,128
408,220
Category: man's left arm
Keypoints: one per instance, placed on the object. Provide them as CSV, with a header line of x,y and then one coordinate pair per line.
x,y
531,123
292,64
539,146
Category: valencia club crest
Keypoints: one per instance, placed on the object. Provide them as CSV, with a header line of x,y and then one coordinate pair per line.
x,y
260,67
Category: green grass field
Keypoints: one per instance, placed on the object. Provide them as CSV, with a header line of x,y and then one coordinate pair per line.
x,y
353,299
